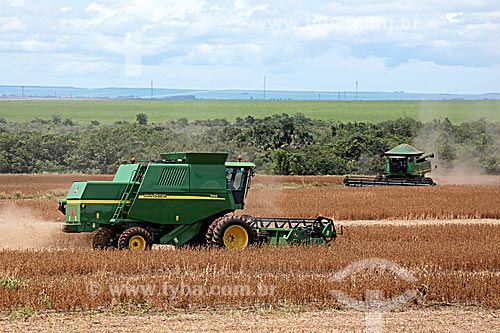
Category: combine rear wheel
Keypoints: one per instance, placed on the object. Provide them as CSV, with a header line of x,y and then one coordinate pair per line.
x,y
105,237
135,238
232,232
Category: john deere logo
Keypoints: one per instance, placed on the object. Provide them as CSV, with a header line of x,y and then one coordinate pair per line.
x,y
76,190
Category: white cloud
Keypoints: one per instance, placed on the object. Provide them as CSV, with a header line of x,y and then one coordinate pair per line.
x,y
293,41
346,27
241,8
11,24
81,66
65,9
155,10
13,3
235,54
29,46
453,17
103,11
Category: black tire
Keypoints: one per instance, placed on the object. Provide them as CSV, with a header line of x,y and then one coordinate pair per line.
x,y
232,232
135,238
105,237
210,232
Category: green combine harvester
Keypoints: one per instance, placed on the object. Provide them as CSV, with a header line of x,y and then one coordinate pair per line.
x,y
404,166
183,198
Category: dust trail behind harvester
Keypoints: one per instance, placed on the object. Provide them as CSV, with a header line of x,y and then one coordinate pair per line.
x,y
21,230
464,174
465,170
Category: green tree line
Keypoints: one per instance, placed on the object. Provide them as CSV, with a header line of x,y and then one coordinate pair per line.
x,y
279,144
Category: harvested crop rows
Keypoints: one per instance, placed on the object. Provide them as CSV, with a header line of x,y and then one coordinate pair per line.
x,y
445,263
296,196
374,203
450,264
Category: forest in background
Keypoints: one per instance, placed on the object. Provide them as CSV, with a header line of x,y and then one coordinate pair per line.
x,y
278,144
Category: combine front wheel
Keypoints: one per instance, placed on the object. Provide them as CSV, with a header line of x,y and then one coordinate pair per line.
x,y
104,238
232,232
135,238
210,232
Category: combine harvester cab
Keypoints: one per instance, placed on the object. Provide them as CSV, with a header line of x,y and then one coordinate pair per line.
x,y
404,166
184,198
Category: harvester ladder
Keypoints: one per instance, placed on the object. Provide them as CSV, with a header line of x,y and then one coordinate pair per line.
x,y
127,193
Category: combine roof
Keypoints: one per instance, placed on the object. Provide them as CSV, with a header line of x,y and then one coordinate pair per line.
x,y
196,158
404,150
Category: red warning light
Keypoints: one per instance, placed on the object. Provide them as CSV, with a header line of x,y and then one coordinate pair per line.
x,y
73,211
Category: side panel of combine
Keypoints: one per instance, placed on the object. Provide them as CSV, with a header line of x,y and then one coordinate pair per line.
x,y
181,194
422,167
92,204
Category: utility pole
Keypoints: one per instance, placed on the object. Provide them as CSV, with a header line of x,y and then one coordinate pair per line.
x,y
22,91
356,90
151,89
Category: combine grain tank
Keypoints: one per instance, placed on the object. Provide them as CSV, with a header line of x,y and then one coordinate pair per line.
x,y
404,166
183,198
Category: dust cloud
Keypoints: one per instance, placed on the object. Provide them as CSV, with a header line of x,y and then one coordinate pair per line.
x,y
464,170
463,174
21,230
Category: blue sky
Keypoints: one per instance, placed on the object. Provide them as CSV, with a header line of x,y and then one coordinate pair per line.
x,y
385,45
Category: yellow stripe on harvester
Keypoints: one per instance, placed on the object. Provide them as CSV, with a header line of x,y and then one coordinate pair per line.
x,y
159,196
109,202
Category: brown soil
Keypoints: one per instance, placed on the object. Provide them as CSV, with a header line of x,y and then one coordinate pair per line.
x,y
235,320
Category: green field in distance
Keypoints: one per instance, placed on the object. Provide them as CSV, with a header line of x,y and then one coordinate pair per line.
x,y
161,111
